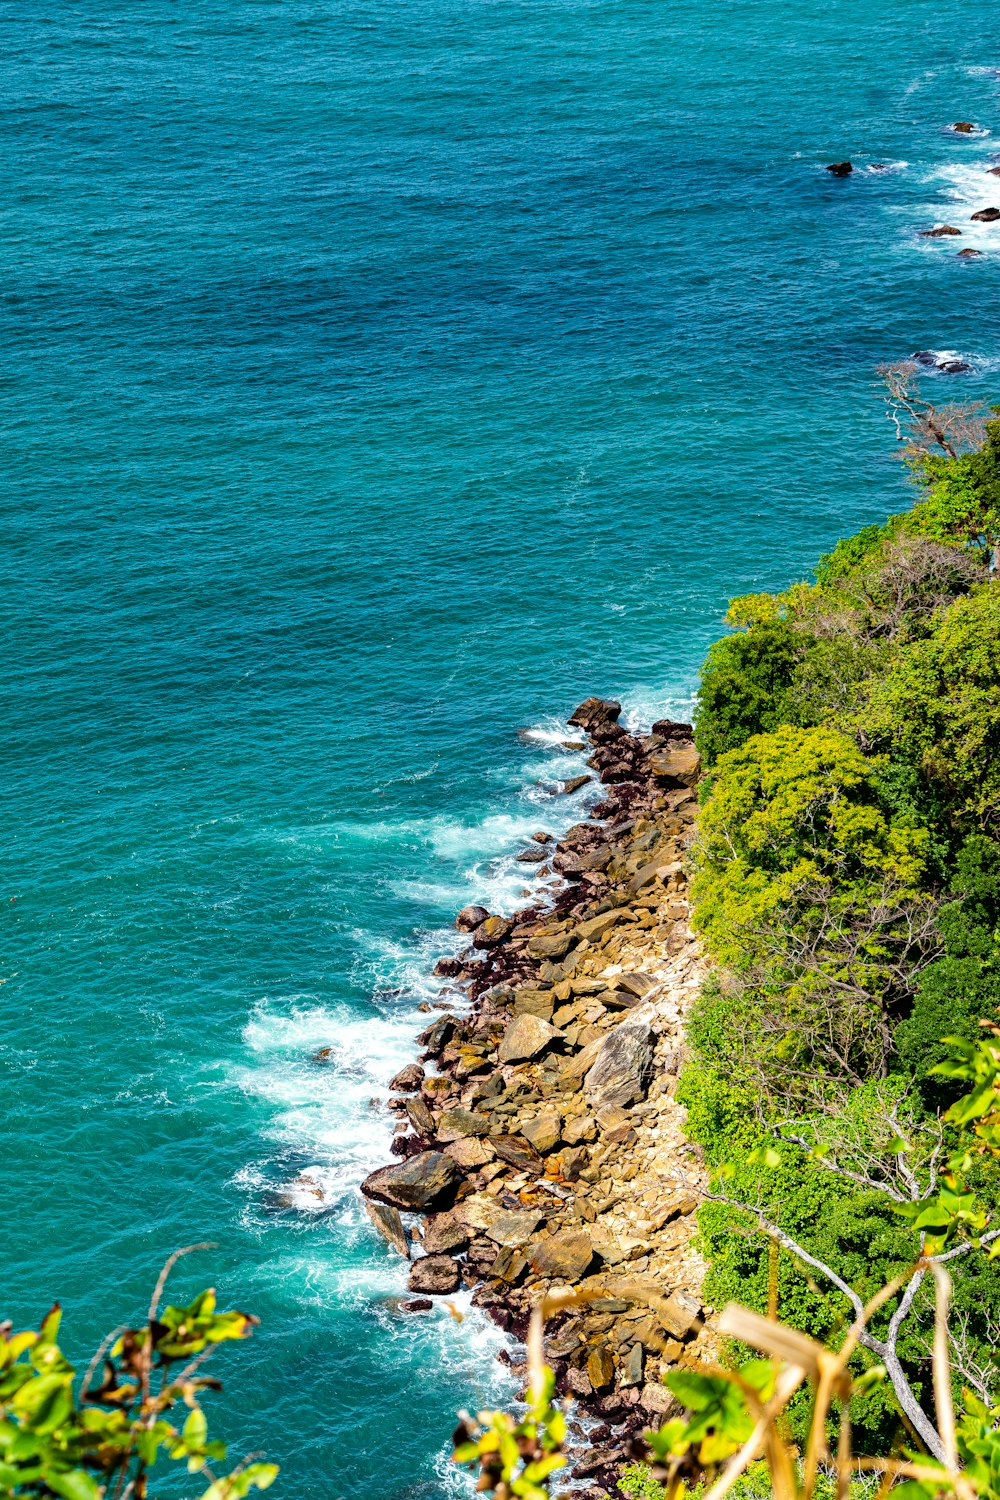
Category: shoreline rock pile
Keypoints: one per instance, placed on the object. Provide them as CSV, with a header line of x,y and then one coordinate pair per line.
x,y
542,1146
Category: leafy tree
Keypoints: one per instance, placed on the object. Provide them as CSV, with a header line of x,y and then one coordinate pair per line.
x,y
746,686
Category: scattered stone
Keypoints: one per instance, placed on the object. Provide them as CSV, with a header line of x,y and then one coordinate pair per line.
x,y
438,1035
389,1225
445,1232
574,783
986,216
453,1124
468,1152
513,1228
564,1256
635,984
620,1073
680,1313
417,1304
600,1367
963,127
418,1183
580,1128
434,1273
552,945
535,1003
939,231
471,917
840,168
526,1036
595,927
408,1079
516,1151
657,1399
541,837
543,1132
632,1366
419,1115
969,254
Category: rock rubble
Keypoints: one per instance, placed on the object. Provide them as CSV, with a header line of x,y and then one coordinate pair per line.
x,y
543,1141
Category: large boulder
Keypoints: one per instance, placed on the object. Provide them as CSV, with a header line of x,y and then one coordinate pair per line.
x,y
526,1036
408,1079
491,932
454,1124
543,1132
840,168
418,1183
593,711
682,764
434,1273
389,1225
565,1256
986,216
445,1232
620,1072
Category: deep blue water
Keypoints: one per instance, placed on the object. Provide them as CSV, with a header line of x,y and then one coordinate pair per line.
x,y
377,381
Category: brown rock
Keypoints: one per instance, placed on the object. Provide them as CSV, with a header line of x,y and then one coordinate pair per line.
x,y
531,854
491,932
621,1070
840,168
595,927
471,917
434,1273
389,1225
682,763
516,1151
454,1124
419,1114
468,1152
657,1399
527,1036
963,127
414,1184
594,711
600,1367
408,1079
574,783
632,1366
986,216
564,1256
513,1227
445,1232
554,945
680,1313
534,1003
543,1132
969,254
579,1128
939,232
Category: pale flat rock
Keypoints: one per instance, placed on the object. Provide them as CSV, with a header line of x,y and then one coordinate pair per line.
x,y
513,1227
527,1036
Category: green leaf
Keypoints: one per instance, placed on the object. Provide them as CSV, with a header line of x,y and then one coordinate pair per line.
x,y
76,1484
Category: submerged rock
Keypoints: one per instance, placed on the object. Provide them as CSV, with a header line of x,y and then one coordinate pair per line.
x,y
416,1184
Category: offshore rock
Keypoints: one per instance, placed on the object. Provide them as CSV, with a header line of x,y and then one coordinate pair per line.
x,y
939,231
434,1273
963,127
408,1079
418,1183
594,711
470,917
620,1073
986,216
390,1226
840,168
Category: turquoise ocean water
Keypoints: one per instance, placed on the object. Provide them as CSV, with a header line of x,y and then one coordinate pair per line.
x,y
377,381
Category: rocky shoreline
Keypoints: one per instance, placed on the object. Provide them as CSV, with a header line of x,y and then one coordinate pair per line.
x,y
542,1145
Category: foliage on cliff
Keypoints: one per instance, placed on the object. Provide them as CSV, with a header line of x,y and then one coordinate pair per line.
x,y
847,887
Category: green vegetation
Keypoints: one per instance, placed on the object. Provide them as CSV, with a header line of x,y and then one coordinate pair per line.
x,y
847,888
105,1435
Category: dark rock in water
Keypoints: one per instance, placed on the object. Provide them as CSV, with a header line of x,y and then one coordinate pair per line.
x,y
879,166
399,1146
417,1304
986,216
969,254
448,968
434,1273
606,733
389,1225
926,357
408,1079
541,837
594,711
994,171
438,1035
939,232
840,168
470,917
534,854
963,127
620,1073
574,783
414,1184
954,366
324,1055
